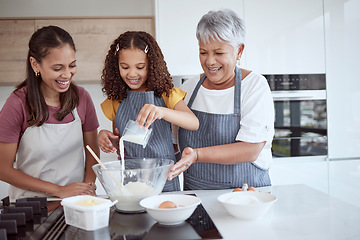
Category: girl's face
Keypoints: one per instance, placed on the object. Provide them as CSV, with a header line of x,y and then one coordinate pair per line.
x,y
218,60
56,70
133,68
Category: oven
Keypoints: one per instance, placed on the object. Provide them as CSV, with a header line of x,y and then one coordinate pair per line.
x,y
300,114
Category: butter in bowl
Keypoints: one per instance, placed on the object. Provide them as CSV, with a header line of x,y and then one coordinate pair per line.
x,y
247,205
87,212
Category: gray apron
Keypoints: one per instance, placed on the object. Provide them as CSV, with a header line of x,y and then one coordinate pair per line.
x,y
219,129
160,144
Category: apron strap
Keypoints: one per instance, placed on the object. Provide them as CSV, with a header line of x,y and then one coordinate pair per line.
x,y
198,85
237,91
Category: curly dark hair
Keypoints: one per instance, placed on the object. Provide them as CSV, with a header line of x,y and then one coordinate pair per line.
x,y
158,79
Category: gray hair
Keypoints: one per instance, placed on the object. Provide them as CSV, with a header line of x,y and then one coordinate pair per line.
x,y
223,25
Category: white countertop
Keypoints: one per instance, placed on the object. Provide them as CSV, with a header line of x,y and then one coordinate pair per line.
x,y
300,212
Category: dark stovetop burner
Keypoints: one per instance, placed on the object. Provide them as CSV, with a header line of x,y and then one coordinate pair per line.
x,y
28,218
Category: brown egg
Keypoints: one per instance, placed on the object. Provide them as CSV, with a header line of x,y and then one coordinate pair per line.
x,y
168,204
251,189
237,190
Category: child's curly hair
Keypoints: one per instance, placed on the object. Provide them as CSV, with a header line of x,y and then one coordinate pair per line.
x,y
158,79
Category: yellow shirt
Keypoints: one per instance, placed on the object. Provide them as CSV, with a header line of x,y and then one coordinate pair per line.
x,y
110,107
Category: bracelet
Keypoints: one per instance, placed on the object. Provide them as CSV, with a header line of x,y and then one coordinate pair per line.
x,y
93,185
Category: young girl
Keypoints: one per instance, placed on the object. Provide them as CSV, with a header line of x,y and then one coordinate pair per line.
x,y
139,87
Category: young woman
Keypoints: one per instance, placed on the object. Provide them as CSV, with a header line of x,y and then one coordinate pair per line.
x,y
46,122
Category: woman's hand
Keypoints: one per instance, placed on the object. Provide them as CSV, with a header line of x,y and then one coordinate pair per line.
x,y
148,114
105,138
188,157
73,189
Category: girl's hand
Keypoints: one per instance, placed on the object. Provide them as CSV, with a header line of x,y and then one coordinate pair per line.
x,y
73,189
148,114
188,157
105,138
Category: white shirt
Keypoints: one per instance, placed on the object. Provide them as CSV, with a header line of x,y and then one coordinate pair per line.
x,y
257,110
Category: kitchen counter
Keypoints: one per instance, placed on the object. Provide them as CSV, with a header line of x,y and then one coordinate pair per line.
x,y
300,212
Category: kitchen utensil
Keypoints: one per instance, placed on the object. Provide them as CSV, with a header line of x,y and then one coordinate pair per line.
x,y
135,133
102,165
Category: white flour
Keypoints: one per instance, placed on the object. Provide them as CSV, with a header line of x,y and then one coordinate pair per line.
x,y
130,195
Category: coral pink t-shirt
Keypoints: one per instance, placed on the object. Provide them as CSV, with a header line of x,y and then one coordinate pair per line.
x,y
14,114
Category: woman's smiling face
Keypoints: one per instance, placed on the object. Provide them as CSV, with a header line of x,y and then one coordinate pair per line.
x,y
218,60
133,68
56,69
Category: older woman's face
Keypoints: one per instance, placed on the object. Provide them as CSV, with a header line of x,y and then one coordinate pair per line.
x,y
218,60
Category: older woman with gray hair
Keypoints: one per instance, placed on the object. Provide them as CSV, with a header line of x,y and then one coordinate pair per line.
x,y
235,108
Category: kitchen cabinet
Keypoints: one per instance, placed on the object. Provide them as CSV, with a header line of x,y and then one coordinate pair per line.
x,y
14,39
176,23
284,37
92,37
342,35
344,175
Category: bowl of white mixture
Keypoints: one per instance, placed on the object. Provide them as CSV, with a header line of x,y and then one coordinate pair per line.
x,y
133,180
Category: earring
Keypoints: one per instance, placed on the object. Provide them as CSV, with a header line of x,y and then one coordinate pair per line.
x,y
116,49
37,74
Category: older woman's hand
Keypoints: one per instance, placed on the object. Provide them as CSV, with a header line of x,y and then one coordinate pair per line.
x,y
188,157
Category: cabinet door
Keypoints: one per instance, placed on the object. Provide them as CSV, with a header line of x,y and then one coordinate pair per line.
x,y
92,37
14,39
342,30
176,23
284,36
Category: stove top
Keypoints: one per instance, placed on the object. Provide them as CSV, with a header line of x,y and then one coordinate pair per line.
x,y
142,226
28,218
121,226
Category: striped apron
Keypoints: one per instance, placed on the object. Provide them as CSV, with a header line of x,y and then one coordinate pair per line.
x,y
160,144
219,129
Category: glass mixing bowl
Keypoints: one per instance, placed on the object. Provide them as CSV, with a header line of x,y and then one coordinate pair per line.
x,y
140,179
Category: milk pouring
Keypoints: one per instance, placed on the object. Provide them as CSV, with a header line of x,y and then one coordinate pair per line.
x,y
128,199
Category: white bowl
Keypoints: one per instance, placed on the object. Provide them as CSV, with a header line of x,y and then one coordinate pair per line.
x,y
247,205
186,205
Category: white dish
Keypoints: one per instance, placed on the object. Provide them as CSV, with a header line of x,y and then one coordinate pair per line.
x,y
186,205
91,217
247,205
